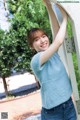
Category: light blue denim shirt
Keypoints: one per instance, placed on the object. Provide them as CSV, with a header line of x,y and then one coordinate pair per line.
x,y
53,78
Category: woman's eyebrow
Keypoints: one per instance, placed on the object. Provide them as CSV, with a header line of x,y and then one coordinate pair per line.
x,y
36,37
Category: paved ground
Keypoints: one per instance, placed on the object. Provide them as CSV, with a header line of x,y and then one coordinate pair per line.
x,y
18,83
22,107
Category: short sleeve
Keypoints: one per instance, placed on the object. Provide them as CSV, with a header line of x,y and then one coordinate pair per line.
x,y
35,63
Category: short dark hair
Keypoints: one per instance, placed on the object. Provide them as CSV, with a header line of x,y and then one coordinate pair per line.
x,y
31,35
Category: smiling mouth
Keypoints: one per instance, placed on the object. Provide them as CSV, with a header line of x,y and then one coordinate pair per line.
x,y
44,45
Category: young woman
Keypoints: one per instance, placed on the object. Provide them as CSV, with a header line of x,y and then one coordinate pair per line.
x,y
48,68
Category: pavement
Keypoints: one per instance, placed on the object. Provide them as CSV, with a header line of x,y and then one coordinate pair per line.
x,y
34,117
18,83
22,107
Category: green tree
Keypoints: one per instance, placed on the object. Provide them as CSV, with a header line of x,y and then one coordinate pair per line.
x,y
14,50
27,14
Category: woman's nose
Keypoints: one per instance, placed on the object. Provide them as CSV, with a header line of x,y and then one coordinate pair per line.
x,y
42,39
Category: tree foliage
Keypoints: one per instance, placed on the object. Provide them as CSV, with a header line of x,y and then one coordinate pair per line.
x,y
15,53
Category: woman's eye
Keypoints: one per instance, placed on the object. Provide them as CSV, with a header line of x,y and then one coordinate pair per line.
x,y
44,36
37,39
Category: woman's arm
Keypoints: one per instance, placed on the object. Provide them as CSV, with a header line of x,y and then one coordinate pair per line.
x,y
52,16
57,41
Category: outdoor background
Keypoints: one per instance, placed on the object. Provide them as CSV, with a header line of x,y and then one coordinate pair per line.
x,y
16,18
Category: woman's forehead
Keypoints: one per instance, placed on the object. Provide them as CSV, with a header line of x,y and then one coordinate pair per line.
x,y
38,34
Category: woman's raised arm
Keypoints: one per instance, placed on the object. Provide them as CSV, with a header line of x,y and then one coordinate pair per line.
x,y
52,16
58,40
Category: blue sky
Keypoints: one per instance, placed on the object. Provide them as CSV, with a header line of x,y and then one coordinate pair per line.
x,y
4,24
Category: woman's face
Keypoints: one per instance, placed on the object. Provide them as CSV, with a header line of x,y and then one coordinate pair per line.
x,y
41,41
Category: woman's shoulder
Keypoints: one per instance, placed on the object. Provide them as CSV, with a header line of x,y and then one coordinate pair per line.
x,y
35,59
36,56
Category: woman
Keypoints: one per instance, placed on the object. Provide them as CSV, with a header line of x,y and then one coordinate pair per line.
x,y
48,68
